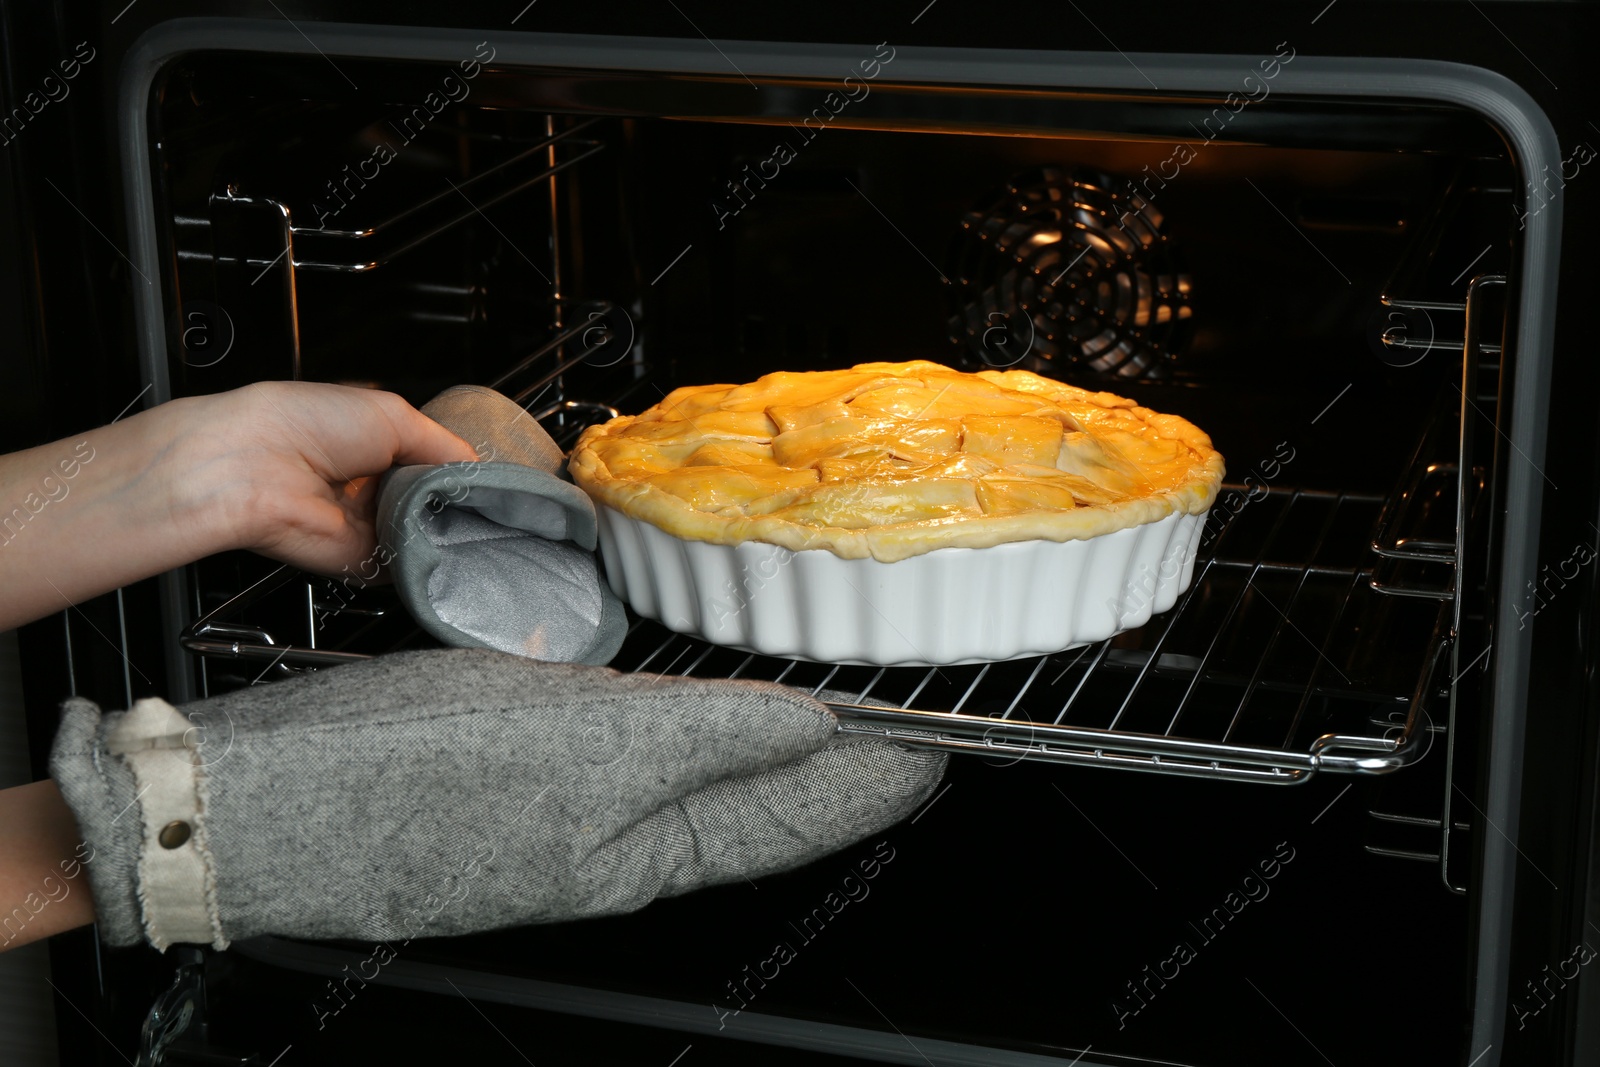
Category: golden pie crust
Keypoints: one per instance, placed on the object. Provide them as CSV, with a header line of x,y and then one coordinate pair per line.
x,y
891,460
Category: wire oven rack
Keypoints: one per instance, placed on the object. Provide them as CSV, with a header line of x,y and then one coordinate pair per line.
x,y
1271,667
1254,675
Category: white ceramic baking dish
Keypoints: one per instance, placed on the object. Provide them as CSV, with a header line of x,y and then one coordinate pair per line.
x,y
949,606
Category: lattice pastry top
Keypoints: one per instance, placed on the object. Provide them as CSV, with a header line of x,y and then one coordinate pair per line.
x,y
891,460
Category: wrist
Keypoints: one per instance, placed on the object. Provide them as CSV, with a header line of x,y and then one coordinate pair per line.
x,y
201,497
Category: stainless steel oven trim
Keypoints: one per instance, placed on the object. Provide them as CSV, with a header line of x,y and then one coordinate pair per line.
x,y
1505,105
759,1027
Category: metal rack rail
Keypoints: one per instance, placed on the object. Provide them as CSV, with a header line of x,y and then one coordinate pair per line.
x,y
354,251
1423,309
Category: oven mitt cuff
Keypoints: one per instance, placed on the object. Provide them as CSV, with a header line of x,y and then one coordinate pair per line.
x,y
98,788
499,553
454,791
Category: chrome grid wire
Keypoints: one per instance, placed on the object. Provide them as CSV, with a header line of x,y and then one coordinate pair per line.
x,y
1266,670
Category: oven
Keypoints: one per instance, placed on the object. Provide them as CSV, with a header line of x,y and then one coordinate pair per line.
x,y
1335,805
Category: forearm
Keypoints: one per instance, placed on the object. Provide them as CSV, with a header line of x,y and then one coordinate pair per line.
x,y
42,891
105,508
285,468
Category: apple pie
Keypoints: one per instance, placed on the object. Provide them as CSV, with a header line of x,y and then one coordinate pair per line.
x,y
893,460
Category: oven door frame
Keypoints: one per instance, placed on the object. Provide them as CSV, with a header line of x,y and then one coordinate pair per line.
x,y
1526,129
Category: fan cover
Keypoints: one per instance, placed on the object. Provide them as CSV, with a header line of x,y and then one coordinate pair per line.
x,y
1063,269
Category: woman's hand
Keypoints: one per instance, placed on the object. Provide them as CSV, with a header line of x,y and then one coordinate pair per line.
x,y
301,462
284,468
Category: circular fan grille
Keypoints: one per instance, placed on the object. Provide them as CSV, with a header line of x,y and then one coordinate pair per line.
x,y
1064,269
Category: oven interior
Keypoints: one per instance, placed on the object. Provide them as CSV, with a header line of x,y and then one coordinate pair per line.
x,y
1320,285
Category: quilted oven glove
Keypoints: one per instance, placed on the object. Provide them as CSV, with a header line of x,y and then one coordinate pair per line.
x,y
500,553
457,790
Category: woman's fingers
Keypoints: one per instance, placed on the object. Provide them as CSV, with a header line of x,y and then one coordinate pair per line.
x,y
346,433
425,441
310,454
420,440
319,529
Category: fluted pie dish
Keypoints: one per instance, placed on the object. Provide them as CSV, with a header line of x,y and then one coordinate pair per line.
x,y
898,513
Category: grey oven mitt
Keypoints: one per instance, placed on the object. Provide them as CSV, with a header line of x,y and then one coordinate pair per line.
x,y
499,553
457,790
